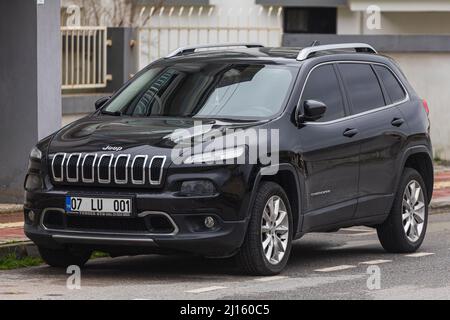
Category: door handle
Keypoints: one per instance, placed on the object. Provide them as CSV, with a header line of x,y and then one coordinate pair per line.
x,y
350,133
398,122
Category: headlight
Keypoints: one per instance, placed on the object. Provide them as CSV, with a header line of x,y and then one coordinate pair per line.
x,y
218,156
197,188
36,154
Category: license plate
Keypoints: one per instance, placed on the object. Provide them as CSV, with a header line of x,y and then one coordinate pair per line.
x,y
99,206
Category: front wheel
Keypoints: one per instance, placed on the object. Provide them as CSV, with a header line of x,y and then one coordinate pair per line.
x,y
268,242
405,228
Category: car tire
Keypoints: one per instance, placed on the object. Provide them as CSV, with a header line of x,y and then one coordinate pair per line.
x,y
404,230
263,234
64,258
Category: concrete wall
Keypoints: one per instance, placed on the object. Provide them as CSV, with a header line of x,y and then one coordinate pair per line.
x,y
401,5
430,76
384,43
30,98
69,118
48,66
80,103
395,23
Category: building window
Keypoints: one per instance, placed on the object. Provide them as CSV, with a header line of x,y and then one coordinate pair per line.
x,y
310,20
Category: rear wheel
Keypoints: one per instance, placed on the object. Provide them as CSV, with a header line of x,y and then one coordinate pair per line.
x,y
268,242
64,258
405,229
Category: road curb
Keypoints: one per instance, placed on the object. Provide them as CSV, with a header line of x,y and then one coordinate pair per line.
x,y
10,208
20,250
439,207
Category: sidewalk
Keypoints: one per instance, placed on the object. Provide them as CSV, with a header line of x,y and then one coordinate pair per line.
x,y
10,208
11,227
441,195
11,217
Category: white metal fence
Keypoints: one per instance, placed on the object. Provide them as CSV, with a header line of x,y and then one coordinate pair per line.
x,y
84,54
166,29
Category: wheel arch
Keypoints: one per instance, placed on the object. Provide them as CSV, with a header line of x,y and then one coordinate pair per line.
x,y
288,178
420,159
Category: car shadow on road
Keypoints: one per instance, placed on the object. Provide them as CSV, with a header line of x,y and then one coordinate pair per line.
x,y
313,253
306,255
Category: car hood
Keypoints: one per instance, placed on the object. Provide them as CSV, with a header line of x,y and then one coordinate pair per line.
x,y
136,135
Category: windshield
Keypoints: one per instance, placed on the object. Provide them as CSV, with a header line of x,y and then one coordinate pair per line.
x,y
206,90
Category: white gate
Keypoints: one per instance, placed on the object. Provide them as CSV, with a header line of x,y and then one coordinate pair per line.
x,y
167,29
84,53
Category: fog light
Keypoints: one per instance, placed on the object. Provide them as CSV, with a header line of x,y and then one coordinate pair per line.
x,y
210,222
32,216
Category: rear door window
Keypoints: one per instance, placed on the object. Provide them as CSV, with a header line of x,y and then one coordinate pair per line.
x,y
323,85
364,90
393,87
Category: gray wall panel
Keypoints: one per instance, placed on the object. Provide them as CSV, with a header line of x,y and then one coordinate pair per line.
x,y
80,103
383,43
29,86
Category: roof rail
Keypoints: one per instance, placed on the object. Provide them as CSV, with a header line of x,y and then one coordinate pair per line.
x,y
358,47
192,49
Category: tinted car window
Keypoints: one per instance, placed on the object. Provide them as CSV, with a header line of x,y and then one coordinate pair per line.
x,y
207,90
363,87
393,87
323,86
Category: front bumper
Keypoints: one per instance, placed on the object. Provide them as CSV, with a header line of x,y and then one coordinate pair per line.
x,y
221,243
185,213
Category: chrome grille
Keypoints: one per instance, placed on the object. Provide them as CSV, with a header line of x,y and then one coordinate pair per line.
x,y
58,167
156,171
104,168
72,165
107,169
121,169
88,168
138,175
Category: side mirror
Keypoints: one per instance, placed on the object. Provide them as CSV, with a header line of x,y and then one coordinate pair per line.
x,y
312,110
101,102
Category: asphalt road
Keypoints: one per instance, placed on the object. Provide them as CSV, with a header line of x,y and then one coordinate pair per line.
x,y
322,266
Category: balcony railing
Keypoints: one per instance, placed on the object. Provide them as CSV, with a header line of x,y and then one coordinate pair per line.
x,y
84,57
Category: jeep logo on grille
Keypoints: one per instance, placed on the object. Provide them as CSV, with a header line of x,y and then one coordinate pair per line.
x,y
110,148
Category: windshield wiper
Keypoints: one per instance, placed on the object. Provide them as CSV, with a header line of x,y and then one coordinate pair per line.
x,y
112,113
236,120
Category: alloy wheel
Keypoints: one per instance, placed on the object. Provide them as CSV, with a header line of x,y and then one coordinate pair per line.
x,y
275,230
413,211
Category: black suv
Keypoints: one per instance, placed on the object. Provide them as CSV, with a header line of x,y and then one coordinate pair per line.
x,y
351,146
